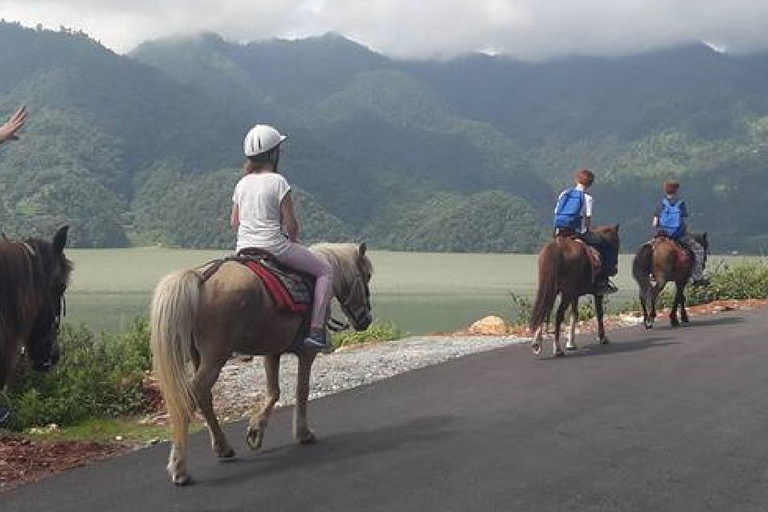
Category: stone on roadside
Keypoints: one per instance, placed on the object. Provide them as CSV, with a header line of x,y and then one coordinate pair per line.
x,y
489,326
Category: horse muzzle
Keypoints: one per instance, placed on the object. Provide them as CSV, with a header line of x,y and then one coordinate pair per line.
x,y
365,322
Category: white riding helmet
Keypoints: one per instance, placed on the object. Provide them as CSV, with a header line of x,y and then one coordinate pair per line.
x,y
261,139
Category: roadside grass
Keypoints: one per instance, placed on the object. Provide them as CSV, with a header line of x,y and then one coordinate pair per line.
x,y
378,331
129,430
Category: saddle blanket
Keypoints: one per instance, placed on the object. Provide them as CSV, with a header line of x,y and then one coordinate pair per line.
x,y
594,258
292,292
683,255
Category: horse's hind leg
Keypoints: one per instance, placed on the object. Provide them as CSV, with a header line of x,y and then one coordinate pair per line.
x,y
557,350
204,379
301,431
679,302
683,311
570,343
600,315
177,460
259,420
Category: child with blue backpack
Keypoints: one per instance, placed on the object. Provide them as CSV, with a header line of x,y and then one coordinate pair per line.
x,y
669,219
573,216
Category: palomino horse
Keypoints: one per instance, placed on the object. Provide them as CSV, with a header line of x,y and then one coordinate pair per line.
x,y
206,321
661,261
565,269
33,278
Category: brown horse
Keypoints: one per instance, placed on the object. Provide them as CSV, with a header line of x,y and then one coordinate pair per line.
x,y
565,269
33,277
206,321
660,260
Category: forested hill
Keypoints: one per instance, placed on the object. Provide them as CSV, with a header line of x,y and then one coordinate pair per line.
x,y
464,155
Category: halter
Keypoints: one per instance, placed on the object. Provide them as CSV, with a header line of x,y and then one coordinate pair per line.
x,y
337,325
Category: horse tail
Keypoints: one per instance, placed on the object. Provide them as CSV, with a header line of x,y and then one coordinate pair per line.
x,y
550,261
172,315
642,264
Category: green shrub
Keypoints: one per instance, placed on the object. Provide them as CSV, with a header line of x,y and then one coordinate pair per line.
x,y
746,280
378,331
96,378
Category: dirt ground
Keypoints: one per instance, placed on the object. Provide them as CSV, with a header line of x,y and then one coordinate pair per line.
x,y
24,460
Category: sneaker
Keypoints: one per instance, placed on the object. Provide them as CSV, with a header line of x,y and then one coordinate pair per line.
x,y
317,339
5,413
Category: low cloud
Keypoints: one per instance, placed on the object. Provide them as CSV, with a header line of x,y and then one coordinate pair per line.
x,y
525,29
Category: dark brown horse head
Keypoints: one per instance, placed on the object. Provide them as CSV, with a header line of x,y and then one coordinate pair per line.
x,y
702,239
610,235
51,277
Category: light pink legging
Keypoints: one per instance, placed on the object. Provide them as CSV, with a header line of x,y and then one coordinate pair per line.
x,y
304,260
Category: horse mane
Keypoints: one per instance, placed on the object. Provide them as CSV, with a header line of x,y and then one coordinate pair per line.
x,y
344,258
17,278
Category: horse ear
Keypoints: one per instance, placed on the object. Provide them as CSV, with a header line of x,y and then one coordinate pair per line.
x,y
60,239
363,247
617,228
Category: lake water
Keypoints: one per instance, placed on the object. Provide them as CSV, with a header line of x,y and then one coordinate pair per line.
x,y
420,292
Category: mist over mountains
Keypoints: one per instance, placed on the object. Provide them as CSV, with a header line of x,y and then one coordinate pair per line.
x,y
462,155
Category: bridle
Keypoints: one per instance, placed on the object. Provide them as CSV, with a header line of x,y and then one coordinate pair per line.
x,y
338,325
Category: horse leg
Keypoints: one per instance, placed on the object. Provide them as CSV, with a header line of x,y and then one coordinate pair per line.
x,y
653,295
301,431
600,314
258,421
683,312
644,296
177,460
538,337
677,302
570,343
559,316
202,383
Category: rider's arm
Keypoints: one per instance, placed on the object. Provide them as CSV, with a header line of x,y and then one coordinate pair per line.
x,y
15,123
234,218
588,212
289,218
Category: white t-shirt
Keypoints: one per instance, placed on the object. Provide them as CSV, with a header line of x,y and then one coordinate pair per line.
x,y
258,197
586,206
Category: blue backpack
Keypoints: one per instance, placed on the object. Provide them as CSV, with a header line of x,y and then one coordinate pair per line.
x,y
568,211
671,219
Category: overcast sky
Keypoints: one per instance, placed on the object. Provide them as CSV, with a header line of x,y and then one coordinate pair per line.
x,y
525,29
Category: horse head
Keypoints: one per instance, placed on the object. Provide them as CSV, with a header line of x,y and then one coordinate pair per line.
x,y
52,270
352,271
610,235
702,239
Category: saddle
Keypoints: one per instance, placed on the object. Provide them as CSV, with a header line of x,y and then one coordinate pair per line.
x,y
595,259
292,291
683,255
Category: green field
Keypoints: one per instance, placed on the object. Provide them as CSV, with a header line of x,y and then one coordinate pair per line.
x,y
420,292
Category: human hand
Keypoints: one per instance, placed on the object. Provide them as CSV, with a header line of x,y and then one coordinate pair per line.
x,y
14,124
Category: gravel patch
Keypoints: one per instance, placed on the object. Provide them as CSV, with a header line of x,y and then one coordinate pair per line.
x,y
242,383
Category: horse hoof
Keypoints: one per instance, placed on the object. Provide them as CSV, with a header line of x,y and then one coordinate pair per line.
x,y
308,438
536,349
254,437
571,347
226,455
181,480
559,353
604,341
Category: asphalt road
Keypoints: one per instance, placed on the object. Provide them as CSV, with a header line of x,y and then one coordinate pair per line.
x,y
657,421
